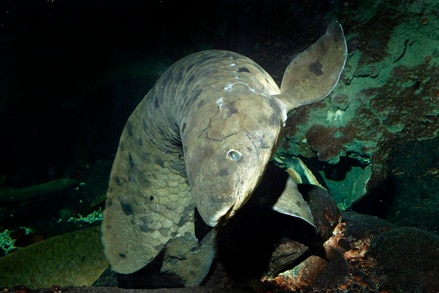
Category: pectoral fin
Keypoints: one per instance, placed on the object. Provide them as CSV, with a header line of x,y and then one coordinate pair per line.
x,y
291,203
278,191
314,73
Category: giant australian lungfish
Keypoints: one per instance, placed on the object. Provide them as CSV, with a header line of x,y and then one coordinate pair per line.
x,y
201,138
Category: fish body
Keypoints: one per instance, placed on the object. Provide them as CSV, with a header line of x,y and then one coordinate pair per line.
x,y
201,138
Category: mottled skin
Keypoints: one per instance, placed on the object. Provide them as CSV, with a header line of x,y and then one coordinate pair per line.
x,y
202,137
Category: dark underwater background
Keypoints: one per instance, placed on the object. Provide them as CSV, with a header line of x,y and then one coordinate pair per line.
x,y
71,72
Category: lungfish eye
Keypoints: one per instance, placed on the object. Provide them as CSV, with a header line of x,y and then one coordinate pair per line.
x,y
234,155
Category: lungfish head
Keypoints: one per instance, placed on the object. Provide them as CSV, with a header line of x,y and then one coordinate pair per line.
x,y
226,153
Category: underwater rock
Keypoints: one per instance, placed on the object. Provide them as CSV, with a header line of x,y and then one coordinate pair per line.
x,y
324,209
407,260
415,205
367,254
360,226
343,263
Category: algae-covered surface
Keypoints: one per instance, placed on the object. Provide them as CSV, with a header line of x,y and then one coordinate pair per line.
x,y
73,71
388,95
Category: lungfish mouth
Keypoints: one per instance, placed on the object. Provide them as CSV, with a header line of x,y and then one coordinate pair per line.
x,y
227,216
240,200
221,216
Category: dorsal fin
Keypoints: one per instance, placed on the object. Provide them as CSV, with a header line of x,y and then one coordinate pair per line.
x,y
313,74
